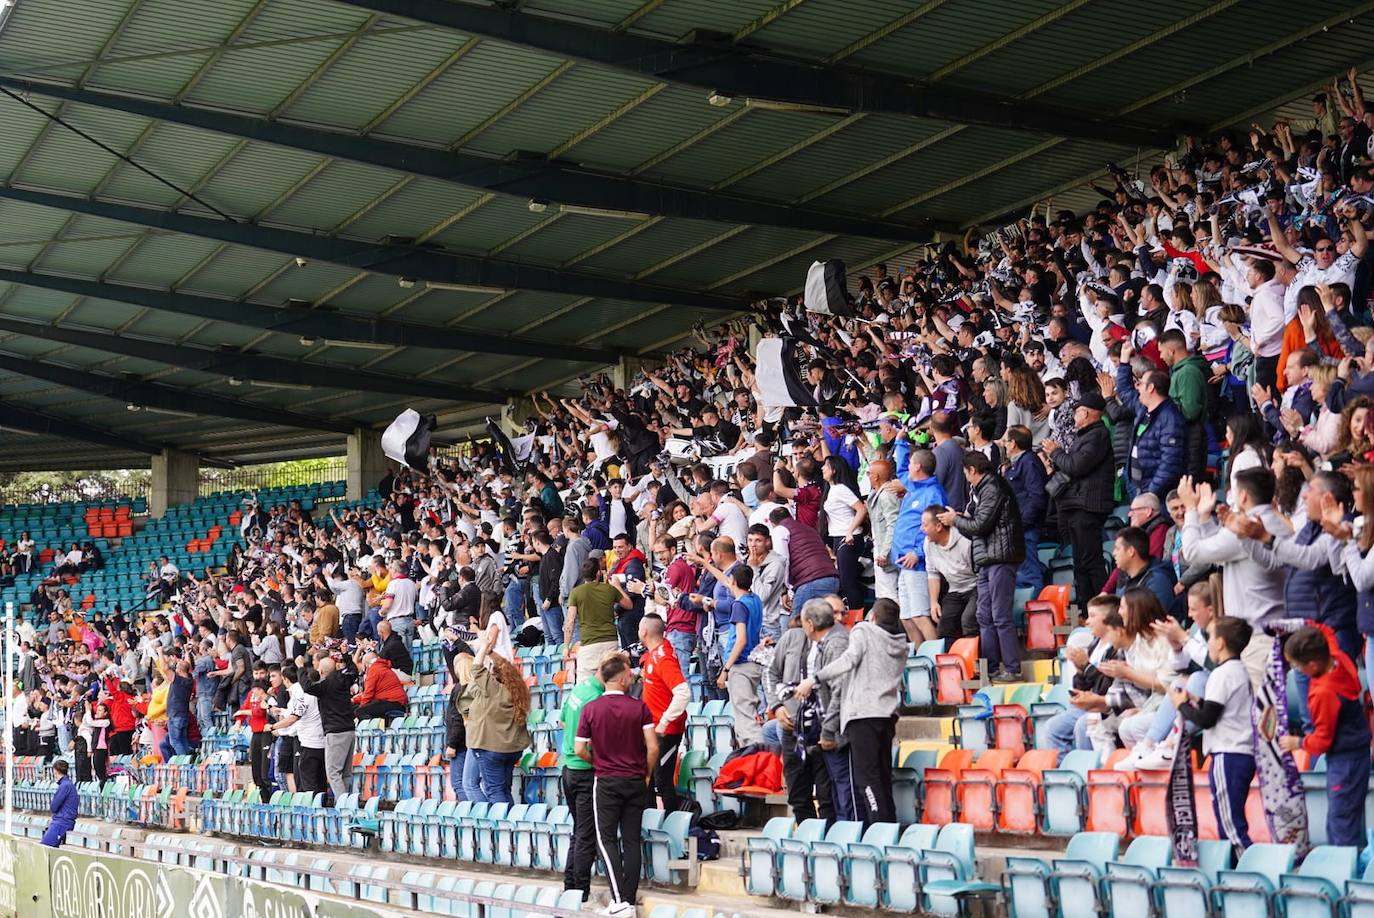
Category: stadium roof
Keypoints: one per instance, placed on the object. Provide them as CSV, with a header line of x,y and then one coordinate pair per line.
x,y
244,227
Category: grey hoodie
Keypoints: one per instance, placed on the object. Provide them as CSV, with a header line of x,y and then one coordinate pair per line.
x,y
875,660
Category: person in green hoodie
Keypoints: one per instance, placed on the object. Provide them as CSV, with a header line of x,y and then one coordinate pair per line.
x,y
577,788
1189,378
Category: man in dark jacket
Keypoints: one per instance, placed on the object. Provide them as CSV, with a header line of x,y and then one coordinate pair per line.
x,y
1157,455
455,731
1026,475
550,572
65,802
1189,384
993,522
1087,499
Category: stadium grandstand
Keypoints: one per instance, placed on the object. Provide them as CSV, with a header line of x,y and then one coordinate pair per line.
x,y
848,455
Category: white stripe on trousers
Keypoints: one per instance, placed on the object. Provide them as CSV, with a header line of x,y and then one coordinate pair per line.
x,y
610,865
1220,793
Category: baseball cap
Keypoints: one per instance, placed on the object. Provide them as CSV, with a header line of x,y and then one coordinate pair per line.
x,y
1093,400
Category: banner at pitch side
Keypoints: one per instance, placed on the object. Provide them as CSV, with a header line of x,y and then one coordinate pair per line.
x,y
39,882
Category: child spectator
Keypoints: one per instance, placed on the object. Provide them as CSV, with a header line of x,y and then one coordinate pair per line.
x,y
1340,729
1223,713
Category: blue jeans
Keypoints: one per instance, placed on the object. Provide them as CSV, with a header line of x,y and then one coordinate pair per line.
x,y
552,617
472,779
684,642
350,624
1166,713
1059,729
815,589
371,618
455,773
913,592
178,740
495,769
514,603
205,714
997,630
404,626
772,735
1030,573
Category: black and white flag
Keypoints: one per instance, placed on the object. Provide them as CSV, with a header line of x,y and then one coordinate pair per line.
x,y
510,457
778,376
826,290
407,439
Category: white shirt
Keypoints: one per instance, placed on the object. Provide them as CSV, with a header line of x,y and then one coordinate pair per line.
x,y
502,644
731,523
170,571
1229,686
403,593
952,562
839,510
1342,271
309,730
762,511
1267,318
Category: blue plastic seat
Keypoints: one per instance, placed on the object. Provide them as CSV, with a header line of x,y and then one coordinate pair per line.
x,y
665,844
792,858
1316,889
1063,790
1248,890
918,678
901,868
1078,874
760,856
1188,890
1359,894
948,872
824,862
862,865
1129,886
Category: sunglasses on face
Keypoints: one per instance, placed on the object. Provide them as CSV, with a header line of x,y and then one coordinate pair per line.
x,y
1326,248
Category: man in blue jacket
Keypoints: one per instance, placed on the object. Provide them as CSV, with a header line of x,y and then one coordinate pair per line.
x,y
1156,457
64,807
1026,475
922,489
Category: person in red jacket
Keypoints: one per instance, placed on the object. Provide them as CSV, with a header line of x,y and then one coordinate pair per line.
x,y
666,693
382,694
122,721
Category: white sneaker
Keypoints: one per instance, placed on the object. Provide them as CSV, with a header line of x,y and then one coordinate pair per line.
x,y
618,910
1158,759
1138,752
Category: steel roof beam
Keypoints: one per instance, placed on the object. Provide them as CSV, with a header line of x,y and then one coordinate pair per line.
x,y
407,261
168,398
37,422
313,323
532,177
741,71
249,366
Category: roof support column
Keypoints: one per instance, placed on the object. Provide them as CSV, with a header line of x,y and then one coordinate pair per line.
x,y
366,464
176,481
623,373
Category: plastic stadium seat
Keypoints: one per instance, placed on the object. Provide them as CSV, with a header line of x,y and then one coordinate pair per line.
x,y
667,843
862,864
1128,888
1064,792
1316,889
1107,800
1077,875
901,868
792,858
1045,614
977,788
824,863
949,873
1018,792
761,856
1150,803
918,679
971,721
1248,890
1359,894
1054,701
953,669
938,786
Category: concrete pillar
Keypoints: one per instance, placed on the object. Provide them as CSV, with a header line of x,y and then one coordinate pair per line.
x,y
176,480
366,463
623,373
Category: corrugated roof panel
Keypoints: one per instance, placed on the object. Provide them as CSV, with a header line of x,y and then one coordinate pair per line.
x,y
372,75
305,283
422,203
333,195
756,136
39,34
281,19
821,27
219,334
676,18
479,85
19,256
606,13
256,176
491,224
442,307
37,303
372,295
180,155
754,245
154,324
161,259
234,271
575,101
787,276
947,33
20,222
516,311
661,123
653,245
160,26
81,257
65,160
838,155
161,77
22,127
255,80
565,237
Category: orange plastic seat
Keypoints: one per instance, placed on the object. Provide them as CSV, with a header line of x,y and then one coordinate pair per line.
x,y
938,787
1109,800
124,529
1202,804
122,513
1150,801
1009,727
1018,792
953,668
977,789
1043,614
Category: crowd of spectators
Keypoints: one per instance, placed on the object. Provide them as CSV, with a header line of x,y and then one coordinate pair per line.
x,y
1197,346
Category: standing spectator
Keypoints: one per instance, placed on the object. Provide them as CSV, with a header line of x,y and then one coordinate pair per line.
x,y
953,581
770,577
398,605
1026,475
331,691
1156,457
178,740
739,638
829,641
616,733
845,514
592,606
254,711
883,506
1189,380
630,568
810,571
550,572
804,770
350,598
681,577
575,556
993,523
455,730
871,668
666,692
920,490
1086,498
948,454
496,704
577,786
203,673
303,718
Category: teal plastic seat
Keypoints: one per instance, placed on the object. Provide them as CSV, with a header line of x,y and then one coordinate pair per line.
x,y
761,856
1248,890
824,862
1078,874
665,844
1129,885
1315,890
1063,790
862,864
792,859
901,868
948,871
1359,894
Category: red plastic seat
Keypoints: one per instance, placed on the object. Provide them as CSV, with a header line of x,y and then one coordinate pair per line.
x,y
1043,614
1018,792
977,789
1109,801
953,668
1009,727
1150,801
938,785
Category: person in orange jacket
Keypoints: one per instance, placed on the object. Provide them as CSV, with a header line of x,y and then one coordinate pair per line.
x,y
382,694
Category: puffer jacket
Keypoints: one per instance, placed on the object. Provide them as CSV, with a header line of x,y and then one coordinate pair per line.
x,y
993,523
1092,475
1157,456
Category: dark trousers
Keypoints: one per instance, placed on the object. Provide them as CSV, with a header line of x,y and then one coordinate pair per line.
x,y
1083,531
665,775
847,564
870,768
577,794
83,760
385,709
627,627
841,786
310,770
122,743
100,764
808,781
958,615
1230,777
997,630
260,759
1267,371
618,805
1347,784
